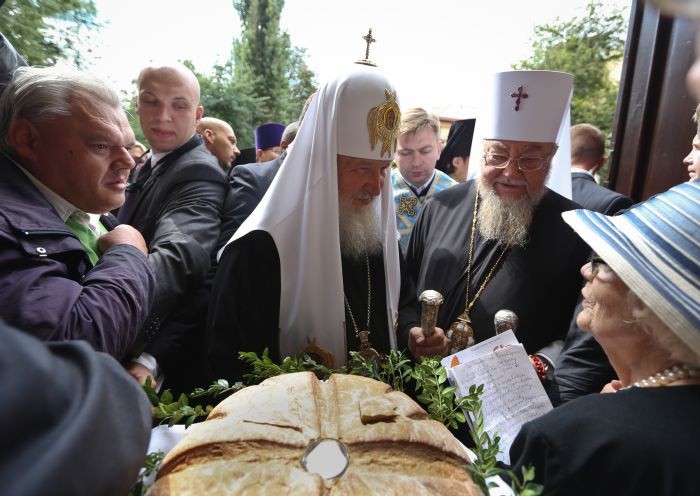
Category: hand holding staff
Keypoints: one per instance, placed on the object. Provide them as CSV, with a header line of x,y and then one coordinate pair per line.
x,y
431,301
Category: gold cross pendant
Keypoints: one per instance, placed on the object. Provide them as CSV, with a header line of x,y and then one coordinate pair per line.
x,y
406,205
366,350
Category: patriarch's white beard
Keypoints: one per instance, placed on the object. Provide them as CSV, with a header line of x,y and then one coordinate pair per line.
x,y
360,233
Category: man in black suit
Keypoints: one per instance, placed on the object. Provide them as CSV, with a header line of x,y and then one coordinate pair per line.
x,y
587,157
249,182
582,366
177,202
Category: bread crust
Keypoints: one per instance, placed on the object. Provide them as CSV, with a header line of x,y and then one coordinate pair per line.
x,y
253,442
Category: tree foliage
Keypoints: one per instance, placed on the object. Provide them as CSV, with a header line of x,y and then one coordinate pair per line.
x,y
234,101
266,62
266,79
589,47
46,31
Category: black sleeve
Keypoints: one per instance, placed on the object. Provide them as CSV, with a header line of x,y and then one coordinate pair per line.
x,y
582,367
618,204
246,195
244,305
186,234
409,307
72,420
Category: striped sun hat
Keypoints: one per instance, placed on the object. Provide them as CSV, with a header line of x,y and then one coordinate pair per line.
x,y
655,249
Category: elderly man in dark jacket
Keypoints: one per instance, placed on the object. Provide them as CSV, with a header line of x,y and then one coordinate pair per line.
x,y
64,161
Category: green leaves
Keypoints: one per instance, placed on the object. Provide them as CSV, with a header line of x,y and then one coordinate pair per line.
x,y
150,467
217,388
526,487
264,367
167,410
174,412
51,30
436,394
395,369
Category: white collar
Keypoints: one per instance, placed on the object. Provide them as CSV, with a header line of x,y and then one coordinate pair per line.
x,y
156,158
418,189
63,207
576,168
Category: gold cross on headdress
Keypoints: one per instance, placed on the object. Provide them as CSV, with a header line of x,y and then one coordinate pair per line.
x,y
368,39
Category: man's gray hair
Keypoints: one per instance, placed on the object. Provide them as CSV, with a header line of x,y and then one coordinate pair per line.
x,y
43,93
290,132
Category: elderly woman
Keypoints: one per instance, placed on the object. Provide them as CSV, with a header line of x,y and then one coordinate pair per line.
x,y
642,304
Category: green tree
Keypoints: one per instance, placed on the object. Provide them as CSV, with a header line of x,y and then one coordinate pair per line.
x,y
589,46
231,100
46,31
303,83
265,80
266,62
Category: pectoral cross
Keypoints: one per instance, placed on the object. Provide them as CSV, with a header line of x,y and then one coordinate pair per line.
x,y
368,38
406,205
520,94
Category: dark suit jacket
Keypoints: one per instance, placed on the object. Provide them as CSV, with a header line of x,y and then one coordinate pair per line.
x,y
591,196
249,183
178,210
582,367
65,410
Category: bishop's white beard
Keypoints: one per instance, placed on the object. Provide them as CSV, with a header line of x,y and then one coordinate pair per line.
x,y
505,220
360,233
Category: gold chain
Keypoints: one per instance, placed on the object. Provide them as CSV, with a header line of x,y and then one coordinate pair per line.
x,y
369,302
468,305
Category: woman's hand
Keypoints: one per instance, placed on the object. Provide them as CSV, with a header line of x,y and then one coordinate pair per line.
x,y
612,387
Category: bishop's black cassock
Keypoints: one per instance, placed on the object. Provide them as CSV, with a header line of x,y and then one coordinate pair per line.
x,y
539,282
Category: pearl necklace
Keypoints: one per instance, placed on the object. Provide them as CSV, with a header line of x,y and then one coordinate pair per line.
x,y
666,377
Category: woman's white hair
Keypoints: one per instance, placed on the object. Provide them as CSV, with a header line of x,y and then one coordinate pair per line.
x,y
43,93
660,333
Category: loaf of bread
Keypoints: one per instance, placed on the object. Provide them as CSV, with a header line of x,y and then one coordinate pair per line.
x,y
254,442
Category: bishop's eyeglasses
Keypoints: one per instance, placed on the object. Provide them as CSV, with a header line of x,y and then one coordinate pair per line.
x,y
525,164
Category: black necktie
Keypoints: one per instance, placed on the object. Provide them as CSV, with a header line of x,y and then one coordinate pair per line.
x,y
132,192
144,172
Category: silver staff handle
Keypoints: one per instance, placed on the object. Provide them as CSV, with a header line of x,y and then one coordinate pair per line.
x,y
505,320
430,301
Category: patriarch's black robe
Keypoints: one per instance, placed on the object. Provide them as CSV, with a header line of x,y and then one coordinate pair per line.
x,y
245,304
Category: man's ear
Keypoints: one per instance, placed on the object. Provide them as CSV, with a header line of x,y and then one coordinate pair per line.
x,y
258,154
198,115
23,138
208,135
599,165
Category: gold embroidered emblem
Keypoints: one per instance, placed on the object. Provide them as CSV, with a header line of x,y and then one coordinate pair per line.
x,y
406,205
383,123
317,354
